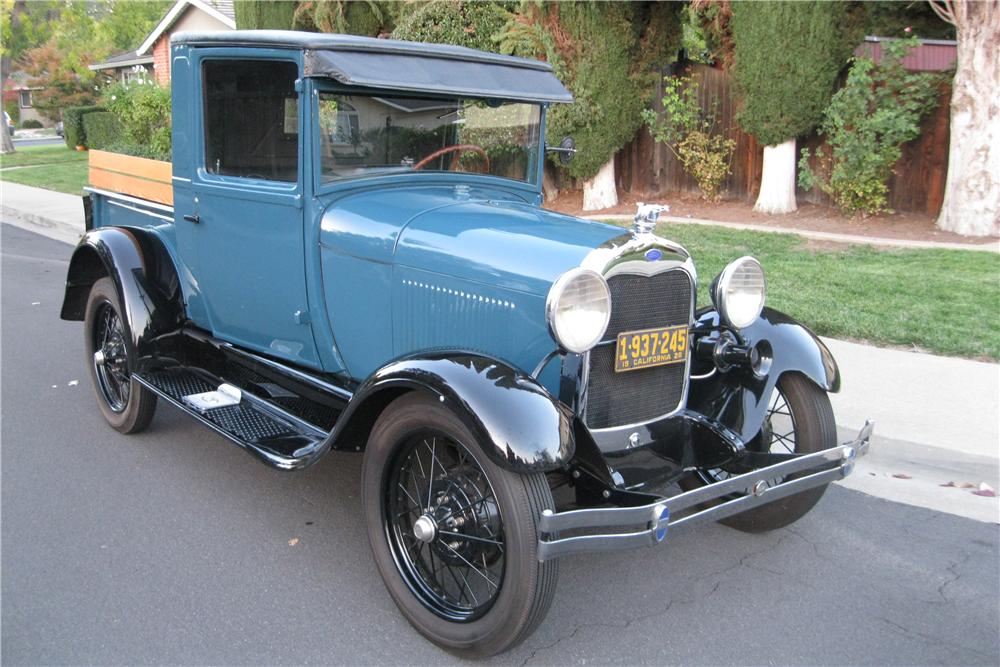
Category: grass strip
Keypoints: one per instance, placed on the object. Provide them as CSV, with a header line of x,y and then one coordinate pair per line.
x,y
62,177
945,302
26,156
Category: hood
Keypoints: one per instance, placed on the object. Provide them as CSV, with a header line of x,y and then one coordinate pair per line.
x,y
475,234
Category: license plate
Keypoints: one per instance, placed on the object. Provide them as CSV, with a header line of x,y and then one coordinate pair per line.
x,y
651,347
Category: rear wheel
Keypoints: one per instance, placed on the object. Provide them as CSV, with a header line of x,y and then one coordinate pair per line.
x,y
454,536
799,420
126,404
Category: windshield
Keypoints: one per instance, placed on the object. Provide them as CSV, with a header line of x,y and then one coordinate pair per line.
x,y
368,136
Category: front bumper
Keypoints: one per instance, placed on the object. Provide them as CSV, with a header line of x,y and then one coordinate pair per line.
x,y
822,468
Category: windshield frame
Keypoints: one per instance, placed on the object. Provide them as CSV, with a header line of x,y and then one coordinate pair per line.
x,y
322,86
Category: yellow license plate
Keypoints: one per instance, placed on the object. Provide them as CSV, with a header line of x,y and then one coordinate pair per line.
x,y
651,347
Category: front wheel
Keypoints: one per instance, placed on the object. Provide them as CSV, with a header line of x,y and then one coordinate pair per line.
x,y
126,404
454,536
799,420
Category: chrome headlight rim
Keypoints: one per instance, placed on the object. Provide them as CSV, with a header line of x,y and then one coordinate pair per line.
x,y
721,287
552,302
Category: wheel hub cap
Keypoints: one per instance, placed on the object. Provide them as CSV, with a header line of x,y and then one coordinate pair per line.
x,y
425,529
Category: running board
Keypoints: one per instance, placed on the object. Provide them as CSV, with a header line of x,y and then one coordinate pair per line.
x,y
272,434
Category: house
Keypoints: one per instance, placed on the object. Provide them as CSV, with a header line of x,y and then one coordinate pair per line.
x,y
153,55
20,84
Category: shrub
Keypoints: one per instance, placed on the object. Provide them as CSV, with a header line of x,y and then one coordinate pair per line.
x,y
471,24
687,130
102,129
143,109
73,130
31,124
147,152
868,120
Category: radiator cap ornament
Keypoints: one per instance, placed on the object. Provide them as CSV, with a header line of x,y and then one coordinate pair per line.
x,y
645,217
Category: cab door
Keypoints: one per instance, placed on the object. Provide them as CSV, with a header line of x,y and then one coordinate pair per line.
x,y
240,220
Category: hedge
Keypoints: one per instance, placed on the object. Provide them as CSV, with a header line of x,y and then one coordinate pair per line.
x,y
102,130
73,129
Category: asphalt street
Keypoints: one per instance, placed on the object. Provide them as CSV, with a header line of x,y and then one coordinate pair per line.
x,y
175,547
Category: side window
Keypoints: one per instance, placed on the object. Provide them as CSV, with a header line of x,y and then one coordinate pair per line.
x,y
251,119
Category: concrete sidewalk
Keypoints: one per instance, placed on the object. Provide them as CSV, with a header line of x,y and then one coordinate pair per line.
x,y
53,214
937,419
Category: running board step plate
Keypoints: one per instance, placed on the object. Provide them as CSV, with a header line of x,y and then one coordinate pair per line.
x,y
267,431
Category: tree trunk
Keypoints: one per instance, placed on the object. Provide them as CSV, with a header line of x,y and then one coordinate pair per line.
x,y
6,62
600,191
777,182
972,190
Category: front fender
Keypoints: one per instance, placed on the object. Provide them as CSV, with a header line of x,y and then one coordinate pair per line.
x,y
738,399
517,423
144,277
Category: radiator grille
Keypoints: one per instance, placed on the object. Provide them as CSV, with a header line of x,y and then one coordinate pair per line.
x,y
638,302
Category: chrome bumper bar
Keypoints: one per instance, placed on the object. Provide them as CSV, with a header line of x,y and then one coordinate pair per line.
x,y
658,516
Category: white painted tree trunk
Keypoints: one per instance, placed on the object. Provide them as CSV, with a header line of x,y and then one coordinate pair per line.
x,y
972,189
600,191
777,182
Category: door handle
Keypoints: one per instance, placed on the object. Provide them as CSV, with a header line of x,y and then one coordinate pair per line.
x,y
193,218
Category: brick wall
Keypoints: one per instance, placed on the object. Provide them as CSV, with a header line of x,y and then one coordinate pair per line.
x,y
161,59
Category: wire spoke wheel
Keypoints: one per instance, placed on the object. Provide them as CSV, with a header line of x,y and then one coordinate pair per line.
x,y
454,535
445,527
126,404
799,420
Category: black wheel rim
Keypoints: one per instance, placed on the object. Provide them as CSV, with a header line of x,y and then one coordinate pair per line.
x,y
777,436
110,358
458,573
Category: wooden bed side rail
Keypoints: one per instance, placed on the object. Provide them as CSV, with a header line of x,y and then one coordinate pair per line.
x,y
136,176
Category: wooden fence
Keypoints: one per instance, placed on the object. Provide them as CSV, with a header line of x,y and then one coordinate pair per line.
x,y
648,168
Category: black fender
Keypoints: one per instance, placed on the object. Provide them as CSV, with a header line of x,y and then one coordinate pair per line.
x,y
738,398
145,279
518,424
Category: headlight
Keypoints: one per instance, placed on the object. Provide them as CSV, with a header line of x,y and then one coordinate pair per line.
x,y
578,309
739,291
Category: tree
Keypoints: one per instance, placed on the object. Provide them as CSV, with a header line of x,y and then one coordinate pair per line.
x,y
787,56
22,27
369,18
972,188
264,14
125,24
605,54
476,25
60,85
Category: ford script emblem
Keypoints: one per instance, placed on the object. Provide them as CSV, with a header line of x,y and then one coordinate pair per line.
x,y
653,255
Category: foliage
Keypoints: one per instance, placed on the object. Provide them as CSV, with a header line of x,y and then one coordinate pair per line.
x,y
60,86
264,14
787,58
713,17
687,130
103,129
73,130
889,18
143,109
11,106
30,29
941,301
605,54
125,24
370,18
148,152
31,124
477,25
868,120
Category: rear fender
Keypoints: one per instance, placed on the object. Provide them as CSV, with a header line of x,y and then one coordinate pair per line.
x,y
516,422
144,277
738,399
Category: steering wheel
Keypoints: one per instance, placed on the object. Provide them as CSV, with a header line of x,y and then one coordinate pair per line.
x,y
454,162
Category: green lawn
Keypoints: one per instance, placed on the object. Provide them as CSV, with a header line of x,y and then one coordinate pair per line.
x,y
942,301
69,177
31,155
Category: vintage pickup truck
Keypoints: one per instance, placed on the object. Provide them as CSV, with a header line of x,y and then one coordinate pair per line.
x,y
349,253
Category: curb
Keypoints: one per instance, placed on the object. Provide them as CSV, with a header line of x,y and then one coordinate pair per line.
x,y
993,246
42,221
